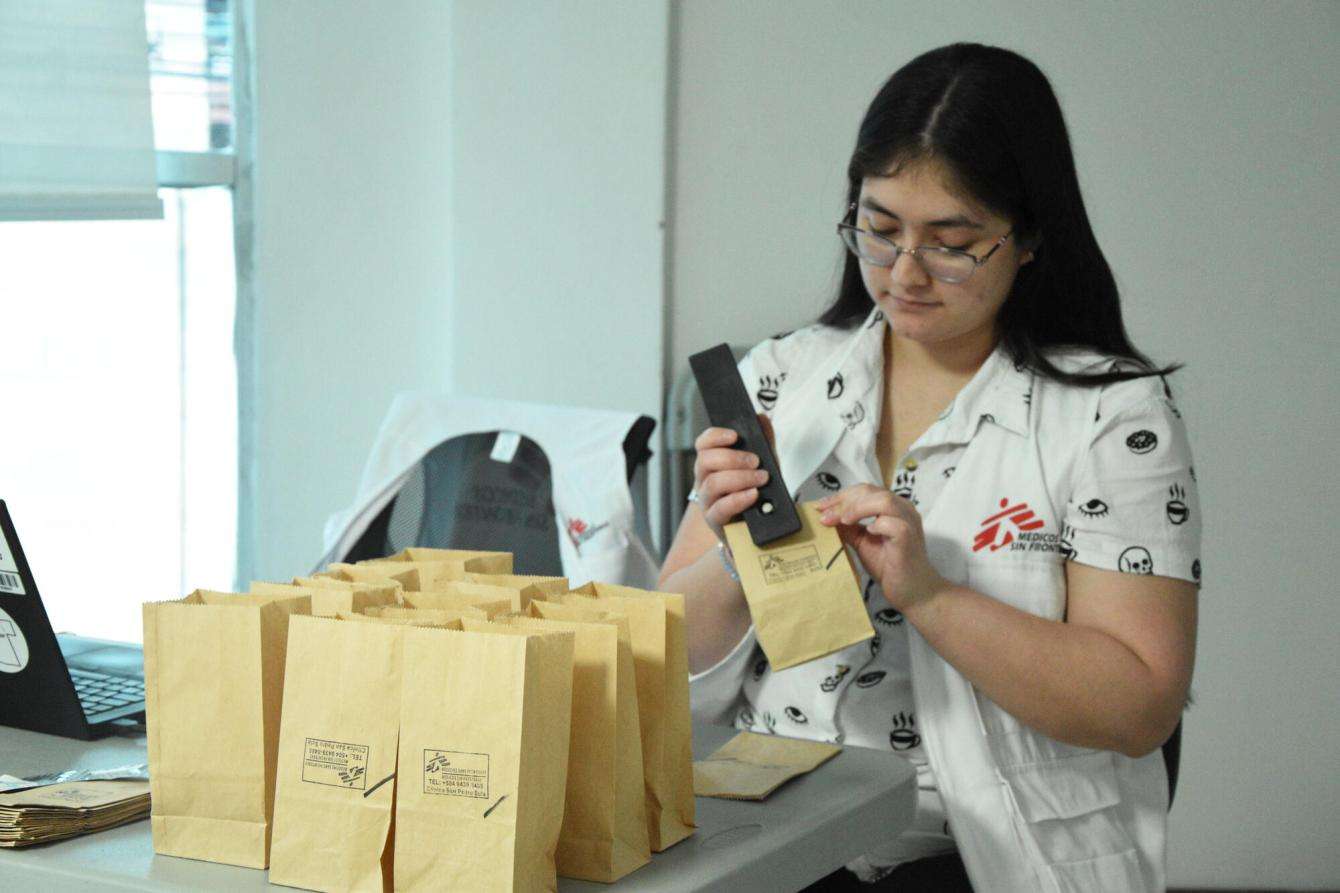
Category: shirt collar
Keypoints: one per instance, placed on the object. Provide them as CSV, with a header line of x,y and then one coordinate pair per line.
x,y
1000,392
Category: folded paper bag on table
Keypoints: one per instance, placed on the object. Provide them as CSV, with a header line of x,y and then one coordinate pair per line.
x,y
752,766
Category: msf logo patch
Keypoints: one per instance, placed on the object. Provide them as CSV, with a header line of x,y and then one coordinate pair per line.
x,y
1013,524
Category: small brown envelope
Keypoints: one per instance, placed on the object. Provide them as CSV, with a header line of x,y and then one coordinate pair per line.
x,y
751,766
802,591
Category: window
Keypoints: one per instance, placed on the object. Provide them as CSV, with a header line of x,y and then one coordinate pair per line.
x,y
119,453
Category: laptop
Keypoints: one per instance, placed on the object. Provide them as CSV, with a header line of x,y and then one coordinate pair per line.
x,y
62,685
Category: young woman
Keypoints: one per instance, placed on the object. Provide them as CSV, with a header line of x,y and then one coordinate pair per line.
x,y
1016,485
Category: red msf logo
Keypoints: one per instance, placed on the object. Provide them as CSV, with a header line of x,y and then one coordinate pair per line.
x,y
998,530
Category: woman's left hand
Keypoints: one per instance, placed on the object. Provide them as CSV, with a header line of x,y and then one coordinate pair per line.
x,y
892,547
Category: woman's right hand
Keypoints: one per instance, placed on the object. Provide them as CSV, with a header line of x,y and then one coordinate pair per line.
x,y
725,479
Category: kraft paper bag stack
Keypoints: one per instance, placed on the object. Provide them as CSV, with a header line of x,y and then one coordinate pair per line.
x,y
484,730
605,832
214,667
533,586
477,560
803,593
439,566
660,659
751,766
492,599
518,594
330,599
406,575
428,615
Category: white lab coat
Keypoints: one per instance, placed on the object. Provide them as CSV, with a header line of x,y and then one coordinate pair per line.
x,y
1027,812
586,459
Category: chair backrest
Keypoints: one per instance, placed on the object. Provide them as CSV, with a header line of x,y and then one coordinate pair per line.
x,y
459,496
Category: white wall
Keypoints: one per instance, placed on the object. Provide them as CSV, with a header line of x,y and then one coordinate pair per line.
x,y
558,139
353,230
1204,135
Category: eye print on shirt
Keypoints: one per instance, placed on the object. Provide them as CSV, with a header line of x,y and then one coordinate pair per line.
x,y
876,319
1177,510
1195,570
949,472
1136,560
874,645
831,683
869,588
760,667
828,481
770,722
835,387
1094,508
904,735
1142,442
744,719
796,716
888,617
768,386
871,679
854,416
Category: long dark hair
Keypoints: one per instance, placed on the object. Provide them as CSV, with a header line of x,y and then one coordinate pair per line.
x,y
991,117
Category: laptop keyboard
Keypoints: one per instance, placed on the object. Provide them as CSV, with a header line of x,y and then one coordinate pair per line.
x,y
99,692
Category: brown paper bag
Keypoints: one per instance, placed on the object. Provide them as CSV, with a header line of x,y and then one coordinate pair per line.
x,y
752,766
213,682
484,731
803,593
660,657
407,576
492,600
329,600
439,566
477,560
433,619
430,615
337,755
604,833
535,587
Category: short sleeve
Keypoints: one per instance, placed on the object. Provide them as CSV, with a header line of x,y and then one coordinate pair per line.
x,y
1135,506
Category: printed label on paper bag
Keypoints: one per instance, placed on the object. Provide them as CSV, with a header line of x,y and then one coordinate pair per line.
x,y
790,564
456,774
335,763
10,581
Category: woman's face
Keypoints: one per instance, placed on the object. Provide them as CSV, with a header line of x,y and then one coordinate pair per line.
x,y
915,207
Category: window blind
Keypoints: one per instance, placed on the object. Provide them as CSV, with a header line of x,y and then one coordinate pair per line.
x,y
76,134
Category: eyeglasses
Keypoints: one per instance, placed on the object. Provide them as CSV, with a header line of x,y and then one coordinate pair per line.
x,y
945,264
